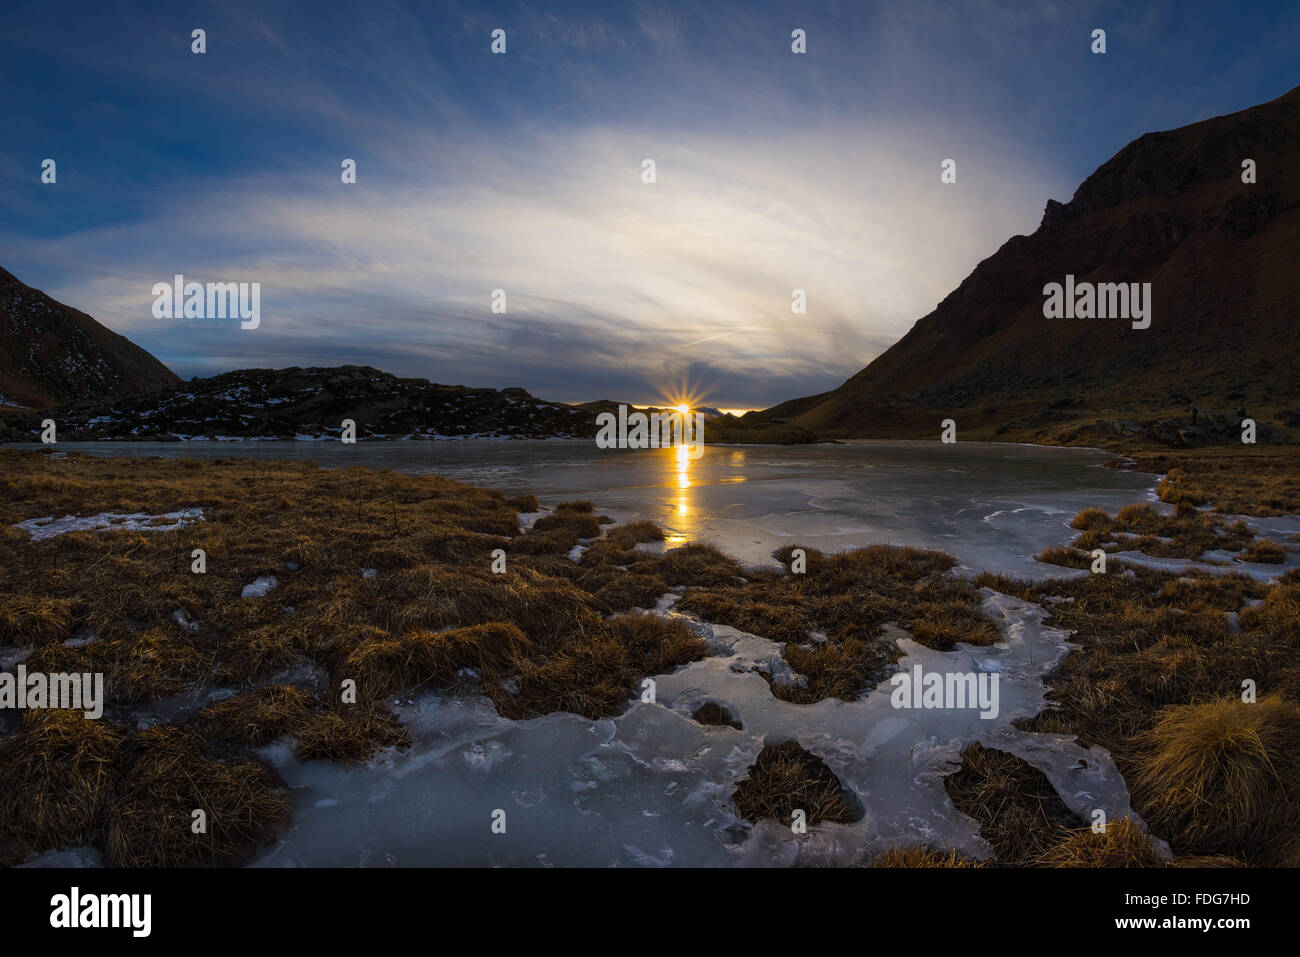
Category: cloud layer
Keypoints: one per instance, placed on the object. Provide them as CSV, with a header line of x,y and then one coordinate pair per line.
x,y
522,173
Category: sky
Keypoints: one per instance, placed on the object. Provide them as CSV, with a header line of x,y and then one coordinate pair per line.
x,y
522,171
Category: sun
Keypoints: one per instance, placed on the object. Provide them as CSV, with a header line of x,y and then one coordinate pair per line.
x,y
682,408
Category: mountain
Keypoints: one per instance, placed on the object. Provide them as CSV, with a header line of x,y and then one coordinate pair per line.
x,y
296,402
1171,208
51,353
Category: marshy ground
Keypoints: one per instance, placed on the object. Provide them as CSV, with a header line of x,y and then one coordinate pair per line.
x,y
383,583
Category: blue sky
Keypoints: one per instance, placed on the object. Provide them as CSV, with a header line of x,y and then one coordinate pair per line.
x,y
775,171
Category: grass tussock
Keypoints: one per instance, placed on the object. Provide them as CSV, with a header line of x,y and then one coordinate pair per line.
x,y
58,772
261,715
350,733
715,715
1264,552
1235,479
1158,682
1189,533
1123,844
923,856
786,778
1223,777
152,820
1019,812
633,533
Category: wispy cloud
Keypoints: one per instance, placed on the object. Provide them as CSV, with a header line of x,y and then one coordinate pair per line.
x,y
522,173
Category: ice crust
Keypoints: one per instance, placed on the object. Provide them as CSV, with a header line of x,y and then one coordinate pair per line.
x,y
652,788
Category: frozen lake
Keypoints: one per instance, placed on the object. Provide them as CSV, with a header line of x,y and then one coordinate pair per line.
x,y
651,787
993,506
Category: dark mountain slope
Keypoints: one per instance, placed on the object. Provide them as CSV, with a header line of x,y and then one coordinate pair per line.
x,y
51,353
1223,258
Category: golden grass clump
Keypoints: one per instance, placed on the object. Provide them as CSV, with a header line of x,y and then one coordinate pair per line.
x,y
1279,615
1018,810
350,733
150,824
1091,519
1264,552
1223,777
922,856
1123,844
1237,479
1065,557
716,715
260,715
840,669
627,590
35,619
632,533
597,675
384,668
574,525
785,778
1188,533
137,669
58,773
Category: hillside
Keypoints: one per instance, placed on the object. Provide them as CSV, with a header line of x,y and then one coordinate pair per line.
x,y
313,402
51,353
1169,209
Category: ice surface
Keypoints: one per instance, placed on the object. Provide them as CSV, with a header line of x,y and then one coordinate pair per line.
x,y
651,787
993,506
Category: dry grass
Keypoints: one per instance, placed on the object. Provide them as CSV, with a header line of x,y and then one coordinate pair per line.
x,y
1188,533
922,857
151,814
1235,479
848,597
713,714
1123,844
1158,683
1223,777
1018,810
536,639
58,772
1264,552
786,778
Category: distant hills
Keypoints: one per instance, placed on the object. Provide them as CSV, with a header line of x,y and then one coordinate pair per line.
x,y
1223,260
60,363
312,403
51,353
